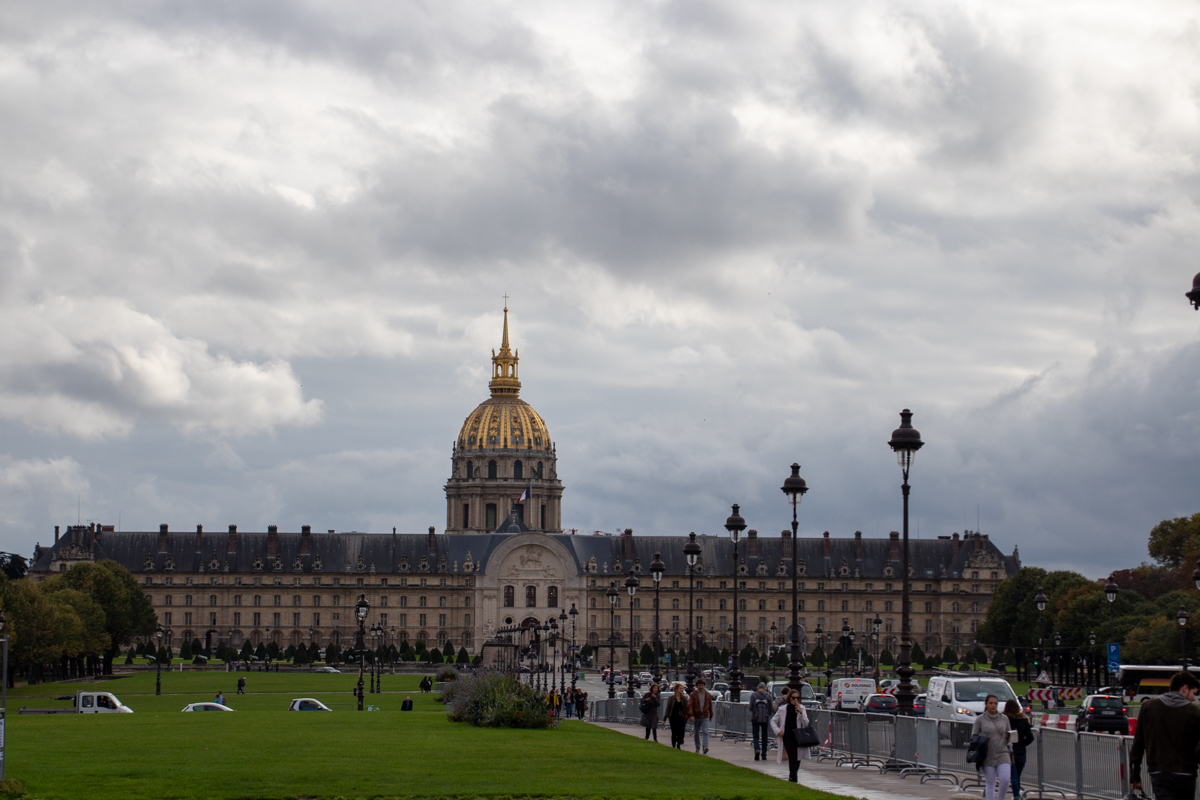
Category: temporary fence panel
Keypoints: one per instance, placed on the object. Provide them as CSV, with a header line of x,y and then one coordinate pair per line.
x,y
904,743
839,732
1058,760
1102,765
881,740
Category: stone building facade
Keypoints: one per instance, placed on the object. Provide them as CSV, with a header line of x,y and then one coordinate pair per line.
x,y
518,567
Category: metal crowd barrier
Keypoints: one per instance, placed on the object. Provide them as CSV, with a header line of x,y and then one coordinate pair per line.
x,y
1059,764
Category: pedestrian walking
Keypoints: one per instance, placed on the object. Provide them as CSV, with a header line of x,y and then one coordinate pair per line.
x,y
1019,723
790,717
761,709
241,685
649,708
677,715
220,698
581,705
700,712
569,704
1168,732
997,765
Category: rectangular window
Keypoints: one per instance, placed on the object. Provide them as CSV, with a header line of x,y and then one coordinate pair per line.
x,y
442,582
441,620
887,625
258,599
187,618
928,626
167,618
316,600
278,600
404,620
762,605
466,620
742,623
799,605
383,581
337,599
869,606
467,601
295,619
552,596
593,621
403,601
721,604
257,619
887,605
316,619
699,603
762,623
530,596
422,601
724,622
422,583
383,620
617,622
237,618
975,588
845,587
741,605
929,608
442,601
316,580
675,622
869,586
295,581
820,605
637,621
383,601
491,517
510,595
466,522
845,605
275,619
212,619
167,600
187,599
421,619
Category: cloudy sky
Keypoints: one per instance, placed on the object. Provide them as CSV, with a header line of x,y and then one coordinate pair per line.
x,y
252,259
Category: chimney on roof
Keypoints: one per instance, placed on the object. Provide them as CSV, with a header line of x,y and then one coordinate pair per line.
x,y
56,534
272,540
627,537
954,545
162,538
232,546
826,544
858,545
894,546
978,541
305,540
432,541
786,535
752,542
199,535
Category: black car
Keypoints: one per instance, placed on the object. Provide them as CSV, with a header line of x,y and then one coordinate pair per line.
x,y
880,704
1102,714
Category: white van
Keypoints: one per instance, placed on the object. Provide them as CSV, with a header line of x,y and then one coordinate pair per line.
x,y
961,699
848,694
100,703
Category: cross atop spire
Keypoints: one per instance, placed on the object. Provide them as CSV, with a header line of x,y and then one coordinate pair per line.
x,y
504,365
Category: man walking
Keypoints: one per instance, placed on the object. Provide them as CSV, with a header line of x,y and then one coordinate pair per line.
x,y
760,717
241,686
700,711
1168,732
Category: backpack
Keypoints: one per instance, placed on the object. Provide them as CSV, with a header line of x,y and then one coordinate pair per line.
x,y
762,709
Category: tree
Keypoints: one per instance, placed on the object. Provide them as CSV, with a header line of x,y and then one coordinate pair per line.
x,y
185,651
13,566
885,658
646,654
333,654
918,655
300,655
127,611
247,650
1172,539
1012,617
463,656
818,657
949,656
164,655
198,649
435,656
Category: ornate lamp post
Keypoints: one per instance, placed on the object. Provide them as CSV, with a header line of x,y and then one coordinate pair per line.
x,y
553,654
1040,601
612,595
657,568
691,552
566,654
1194,294
631,586
1092,656
844,643
1058,660
794,487
906,441
774,633
158,634
1182,619
875,623
735,524
573,614
820,632
360,615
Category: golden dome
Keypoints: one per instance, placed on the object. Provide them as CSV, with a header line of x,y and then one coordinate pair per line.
x,y
504,421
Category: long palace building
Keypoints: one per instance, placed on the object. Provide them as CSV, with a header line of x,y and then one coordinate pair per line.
x,y
503,562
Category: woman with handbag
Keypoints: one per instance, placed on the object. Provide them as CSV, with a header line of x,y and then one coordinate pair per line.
x,y
649,710
997,764
788,720
676,715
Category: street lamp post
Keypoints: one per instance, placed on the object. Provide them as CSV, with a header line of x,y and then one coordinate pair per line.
x,y
553,655
795,487
158,634
1110,594
774,633
360,615
1182,619
905,442
820,632
657,568
875,624
735,524
631,586
612,594
566,654
691,553
1093,672
573,614
1040,600
1058,659
844,643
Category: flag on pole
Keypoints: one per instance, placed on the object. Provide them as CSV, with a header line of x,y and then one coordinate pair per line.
x,y
524,495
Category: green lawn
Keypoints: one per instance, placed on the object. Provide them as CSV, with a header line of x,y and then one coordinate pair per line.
x,y
262,751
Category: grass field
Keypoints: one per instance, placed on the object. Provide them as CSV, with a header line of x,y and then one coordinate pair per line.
x,y
263,751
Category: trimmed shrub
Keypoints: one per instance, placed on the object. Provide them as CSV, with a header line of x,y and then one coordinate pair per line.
x,y
496,701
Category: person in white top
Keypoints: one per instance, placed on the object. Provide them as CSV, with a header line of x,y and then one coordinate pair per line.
x,y
790,717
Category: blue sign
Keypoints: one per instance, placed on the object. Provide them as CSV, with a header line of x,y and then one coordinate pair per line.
x,y
666,658
1114,657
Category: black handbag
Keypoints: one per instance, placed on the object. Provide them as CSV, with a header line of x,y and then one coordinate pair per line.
x,y
806,737
977,749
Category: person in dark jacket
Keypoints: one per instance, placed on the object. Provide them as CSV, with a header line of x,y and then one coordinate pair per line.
x,y
1168,733
1020,723
649,708
677,715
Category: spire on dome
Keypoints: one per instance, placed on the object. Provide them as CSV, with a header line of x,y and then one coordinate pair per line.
x,y
504,365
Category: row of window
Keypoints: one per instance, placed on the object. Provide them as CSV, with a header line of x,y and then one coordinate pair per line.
x,y
317,580
783,586
276,620
781,605
518,470
336,599
722,624
531,596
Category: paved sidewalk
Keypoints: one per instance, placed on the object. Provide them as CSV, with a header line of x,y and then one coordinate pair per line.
x,y
863,782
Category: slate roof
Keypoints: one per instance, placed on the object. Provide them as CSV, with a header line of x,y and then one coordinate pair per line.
x,y
408,553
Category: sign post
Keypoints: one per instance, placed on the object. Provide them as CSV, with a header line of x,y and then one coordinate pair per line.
x,y
1114,659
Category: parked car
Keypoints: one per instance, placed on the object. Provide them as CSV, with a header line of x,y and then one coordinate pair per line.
x,y
86,703
1102,714
308,704
961,698
206,707
919,705
880,704
328,669
646,677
